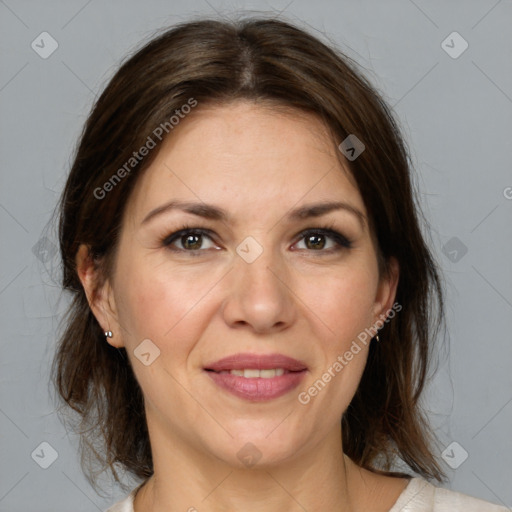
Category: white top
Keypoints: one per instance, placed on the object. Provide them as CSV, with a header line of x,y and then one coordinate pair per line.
x,y
419,496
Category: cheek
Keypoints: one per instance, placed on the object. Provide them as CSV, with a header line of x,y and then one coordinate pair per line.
x,y
343,301
158,302
337,307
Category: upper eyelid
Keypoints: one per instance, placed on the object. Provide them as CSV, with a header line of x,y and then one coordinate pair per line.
x,y
328,231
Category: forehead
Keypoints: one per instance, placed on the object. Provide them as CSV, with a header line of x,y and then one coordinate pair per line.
x,y
249,158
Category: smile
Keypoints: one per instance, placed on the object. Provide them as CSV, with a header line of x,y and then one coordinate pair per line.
x,y
257,377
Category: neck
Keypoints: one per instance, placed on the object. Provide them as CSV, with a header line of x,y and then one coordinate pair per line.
x,y
186,480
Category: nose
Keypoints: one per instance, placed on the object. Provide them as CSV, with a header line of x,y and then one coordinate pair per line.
x,y
259,296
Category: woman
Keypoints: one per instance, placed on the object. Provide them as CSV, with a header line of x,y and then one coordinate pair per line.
x,y
254,303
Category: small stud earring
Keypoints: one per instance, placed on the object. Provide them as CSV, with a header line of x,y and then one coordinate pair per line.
x,y
108,334
377,337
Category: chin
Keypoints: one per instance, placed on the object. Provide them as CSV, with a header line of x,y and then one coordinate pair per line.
x,y
257,450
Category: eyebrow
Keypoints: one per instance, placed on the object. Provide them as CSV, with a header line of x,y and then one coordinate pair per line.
x,y
209,211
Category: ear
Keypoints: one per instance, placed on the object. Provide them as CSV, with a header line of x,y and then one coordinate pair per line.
x,y
386,290
100,294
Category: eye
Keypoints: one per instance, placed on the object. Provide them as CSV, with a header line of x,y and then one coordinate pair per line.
x,y
195,240
324,240
189,240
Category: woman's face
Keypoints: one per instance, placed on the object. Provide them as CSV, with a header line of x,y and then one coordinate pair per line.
x,y
276,274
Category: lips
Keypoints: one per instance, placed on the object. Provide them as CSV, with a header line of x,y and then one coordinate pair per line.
x,y
256,362
255,377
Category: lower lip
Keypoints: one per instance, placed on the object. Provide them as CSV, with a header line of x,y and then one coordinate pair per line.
x,y
257,389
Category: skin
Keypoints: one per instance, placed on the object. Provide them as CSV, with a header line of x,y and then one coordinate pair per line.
x,y
296,299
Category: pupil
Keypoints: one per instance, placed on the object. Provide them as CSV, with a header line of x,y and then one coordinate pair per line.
x,y
316,241
191,241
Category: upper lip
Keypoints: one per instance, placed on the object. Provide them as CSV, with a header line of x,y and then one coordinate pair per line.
x,y
256,362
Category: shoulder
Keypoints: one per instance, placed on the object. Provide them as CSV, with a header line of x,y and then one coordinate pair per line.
x,y
418,496
125,505
422,496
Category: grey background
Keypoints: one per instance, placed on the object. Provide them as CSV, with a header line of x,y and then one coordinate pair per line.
x,y
456,114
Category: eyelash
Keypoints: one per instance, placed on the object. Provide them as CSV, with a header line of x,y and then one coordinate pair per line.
x,y
326,230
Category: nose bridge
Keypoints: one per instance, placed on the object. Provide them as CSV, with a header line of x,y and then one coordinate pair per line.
x,y
256,269
258,294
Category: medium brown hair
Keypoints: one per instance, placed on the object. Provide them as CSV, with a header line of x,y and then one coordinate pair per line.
x,y
264,60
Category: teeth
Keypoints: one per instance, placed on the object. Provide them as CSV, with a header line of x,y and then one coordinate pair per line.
x,y
253,374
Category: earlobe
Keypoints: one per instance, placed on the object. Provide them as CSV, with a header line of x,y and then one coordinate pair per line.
x,y
99,295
